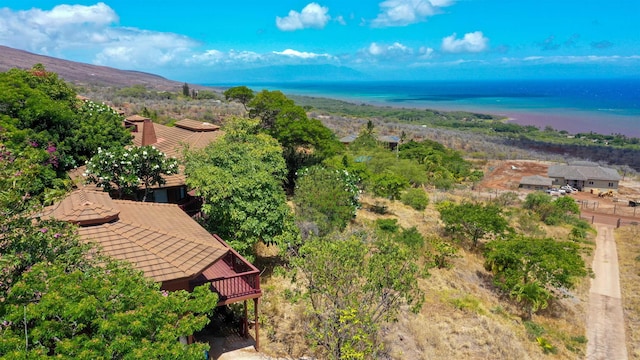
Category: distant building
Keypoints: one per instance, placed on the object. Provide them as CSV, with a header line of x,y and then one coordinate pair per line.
x,y
536,182
585,176
391,141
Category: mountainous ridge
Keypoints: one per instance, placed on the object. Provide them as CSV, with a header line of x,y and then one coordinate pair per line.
x,y
84,74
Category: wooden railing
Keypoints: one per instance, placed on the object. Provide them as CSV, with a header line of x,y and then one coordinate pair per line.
x,y
239,286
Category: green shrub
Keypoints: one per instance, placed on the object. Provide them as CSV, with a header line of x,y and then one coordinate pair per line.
x,y
411,237
416,198
388,225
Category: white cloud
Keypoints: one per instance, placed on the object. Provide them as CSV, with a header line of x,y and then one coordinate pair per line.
x,y
471,42
393,51
312,16
217,57
92,31
425,52
64,26
375,49
405,12
302,54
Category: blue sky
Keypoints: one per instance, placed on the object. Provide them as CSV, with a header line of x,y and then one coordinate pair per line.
x,y
211,41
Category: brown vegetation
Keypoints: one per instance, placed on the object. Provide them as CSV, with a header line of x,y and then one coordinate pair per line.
x,y
629,262
464,316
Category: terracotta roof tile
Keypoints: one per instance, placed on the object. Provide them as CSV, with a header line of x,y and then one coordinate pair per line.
x,y
136,118
171,140
195,125
159,239
84,208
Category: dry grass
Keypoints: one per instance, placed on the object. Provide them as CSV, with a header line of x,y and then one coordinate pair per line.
x,y
464,316
628,244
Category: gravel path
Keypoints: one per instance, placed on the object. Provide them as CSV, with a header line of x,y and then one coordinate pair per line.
x,y
605,321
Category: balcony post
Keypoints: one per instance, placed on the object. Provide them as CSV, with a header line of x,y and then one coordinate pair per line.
x,y
256,301
245,321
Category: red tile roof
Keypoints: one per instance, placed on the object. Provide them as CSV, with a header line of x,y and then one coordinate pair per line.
x,y
195,125
171,140
159,239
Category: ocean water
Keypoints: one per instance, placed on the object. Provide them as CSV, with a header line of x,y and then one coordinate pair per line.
x,y
605,106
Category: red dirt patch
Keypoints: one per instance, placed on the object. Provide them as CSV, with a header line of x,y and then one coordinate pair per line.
x,y
506,175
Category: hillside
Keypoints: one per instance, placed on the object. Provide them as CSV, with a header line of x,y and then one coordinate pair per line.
x,y
83,74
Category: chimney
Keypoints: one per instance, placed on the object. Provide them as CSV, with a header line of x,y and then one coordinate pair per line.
x,y
148,133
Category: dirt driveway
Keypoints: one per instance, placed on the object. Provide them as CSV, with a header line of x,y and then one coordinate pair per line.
x,y
605,321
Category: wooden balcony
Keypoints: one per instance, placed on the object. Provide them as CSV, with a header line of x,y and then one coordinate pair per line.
x,y
232,277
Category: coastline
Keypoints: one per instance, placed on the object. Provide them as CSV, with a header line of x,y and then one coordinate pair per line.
x,y
580,107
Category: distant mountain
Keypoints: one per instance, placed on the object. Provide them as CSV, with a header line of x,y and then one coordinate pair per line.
x,y
286,73
84,74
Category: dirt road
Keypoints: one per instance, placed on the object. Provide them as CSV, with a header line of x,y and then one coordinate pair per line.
x,y
605,322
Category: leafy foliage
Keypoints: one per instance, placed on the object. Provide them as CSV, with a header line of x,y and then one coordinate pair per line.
x,y
416,198
551,212
326,197
531,269
96,312
240,176
105,126
387,184
306,142
38,109
353,287
241,94
472,221
124,169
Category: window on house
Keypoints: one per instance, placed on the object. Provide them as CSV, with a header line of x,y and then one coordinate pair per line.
x,y
610,184
590,182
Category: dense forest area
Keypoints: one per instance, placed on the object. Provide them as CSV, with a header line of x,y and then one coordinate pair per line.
x,y
357,243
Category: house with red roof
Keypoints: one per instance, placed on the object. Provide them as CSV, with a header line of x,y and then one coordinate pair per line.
x,y
163,242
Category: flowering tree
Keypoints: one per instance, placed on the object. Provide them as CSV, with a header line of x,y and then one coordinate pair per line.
x,y
124,170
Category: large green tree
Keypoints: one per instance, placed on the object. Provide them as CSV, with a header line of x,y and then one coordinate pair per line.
x,y
305,141
472,221
240,179
39,109
533,271
93,312
241,94
354,283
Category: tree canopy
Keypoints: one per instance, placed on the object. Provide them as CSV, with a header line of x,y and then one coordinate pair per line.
x,y
107,311
305,141
40,110
531,270
355,283
241,94
550,211
240,179
472,221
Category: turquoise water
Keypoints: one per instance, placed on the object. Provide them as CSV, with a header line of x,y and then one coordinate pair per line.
x,y
604,106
